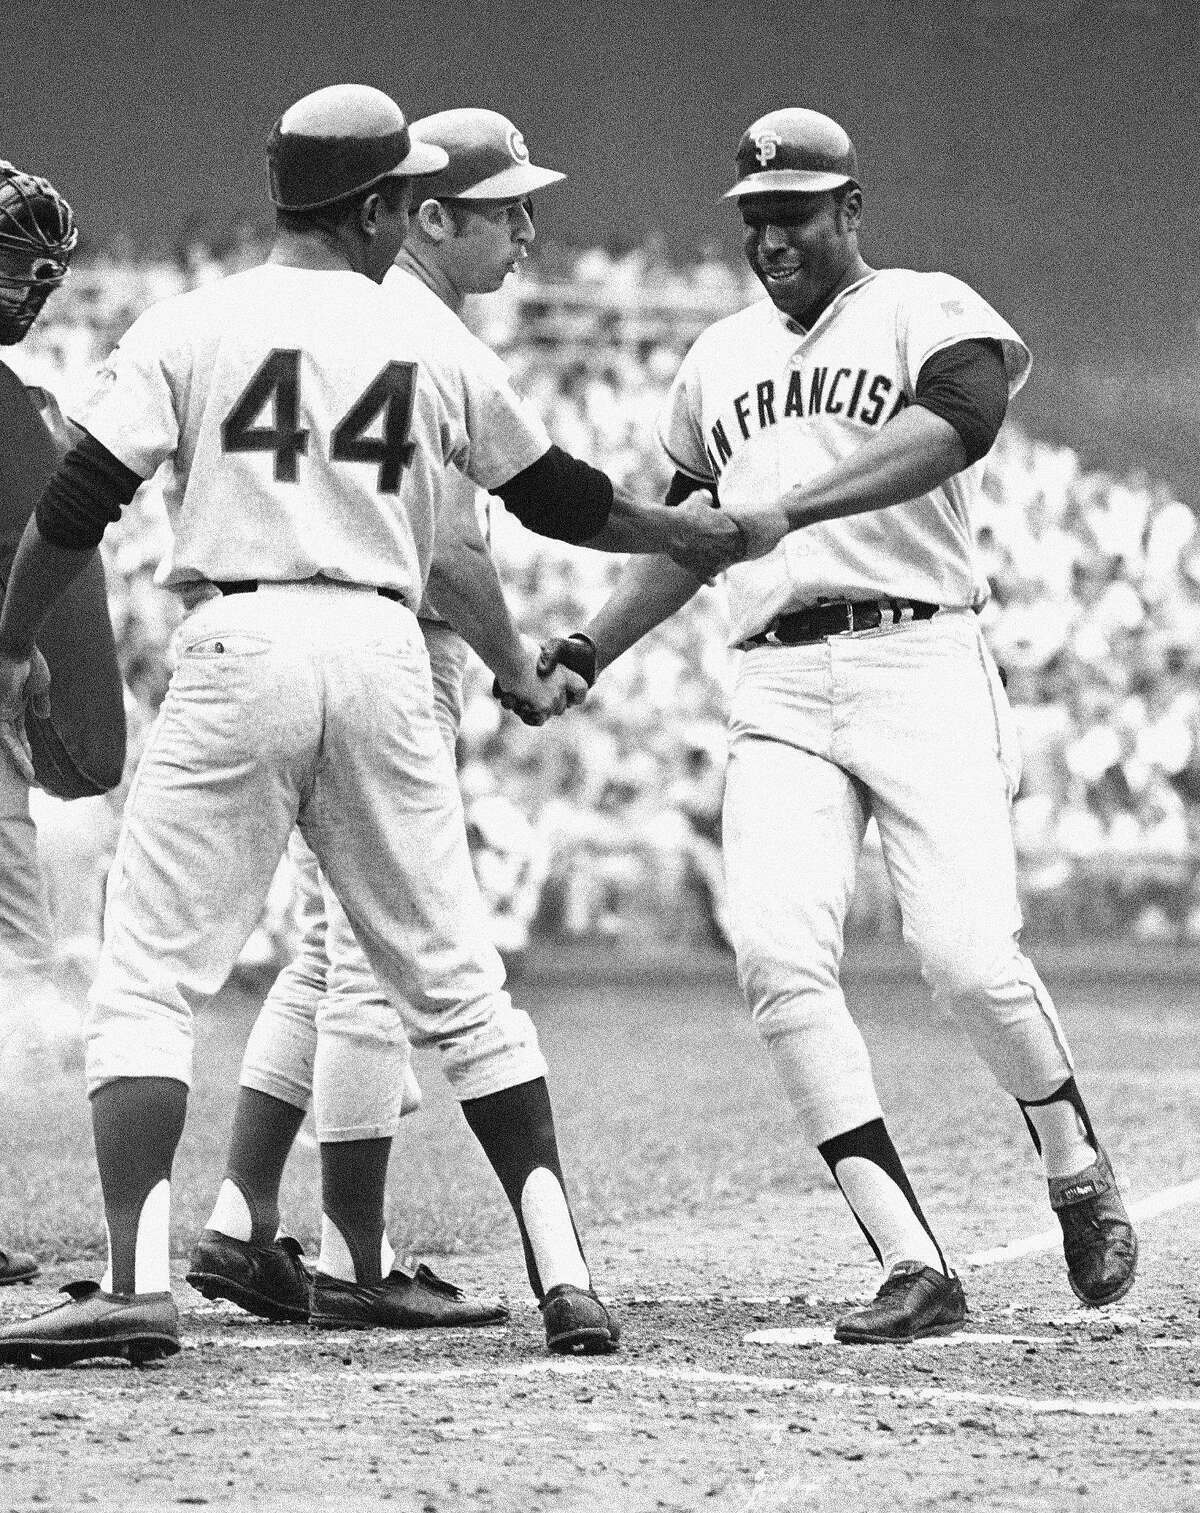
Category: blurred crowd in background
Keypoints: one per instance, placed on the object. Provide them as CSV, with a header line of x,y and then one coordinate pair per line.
x,y
605,825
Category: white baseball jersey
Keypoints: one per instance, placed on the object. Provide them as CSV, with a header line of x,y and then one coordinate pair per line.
x,y
759,406
459,492
307,419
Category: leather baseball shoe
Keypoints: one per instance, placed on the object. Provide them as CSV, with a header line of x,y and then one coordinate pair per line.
x,y
16,1266
914,1302
577,1322
269,1281
410,1297
1098,1239
137,1327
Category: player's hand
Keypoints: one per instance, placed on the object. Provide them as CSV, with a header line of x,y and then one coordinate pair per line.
x,y
703,538
535,697
576,651
763,528
24,684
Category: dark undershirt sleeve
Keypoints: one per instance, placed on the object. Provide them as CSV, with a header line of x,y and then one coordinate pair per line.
x,y
560,497
966,384
86,494
684,484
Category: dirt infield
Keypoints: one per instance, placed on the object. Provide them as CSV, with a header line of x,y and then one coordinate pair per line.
x,y
1037,1405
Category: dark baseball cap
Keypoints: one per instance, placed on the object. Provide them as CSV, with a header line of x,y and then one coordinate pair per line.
x,y
338,141
488,158
793,151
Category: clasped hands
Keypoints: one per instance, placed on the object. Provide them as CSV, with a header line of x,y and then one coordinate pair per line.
x,y
705,538
563,671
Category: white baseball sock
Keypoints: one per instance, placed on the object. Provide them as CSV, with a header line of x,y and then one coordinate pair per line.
x,y
335,1259
152,1251
547,1221
231,1213
885,1213
1066,1149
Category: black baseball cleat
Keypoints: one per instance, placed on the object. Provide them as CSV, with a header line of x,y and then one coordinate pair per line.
x,y
1098,1239
269,1281
16,1266
914,1302
136,1327
410,1297
577,1322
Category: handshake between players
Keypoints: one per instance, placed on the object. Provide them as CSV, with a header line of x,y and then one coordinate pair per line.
x,y
704,541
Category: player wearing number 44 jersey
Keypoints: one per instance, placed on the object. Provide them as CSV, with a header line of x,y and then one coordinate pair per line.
x,y
843,422
471,228
304,421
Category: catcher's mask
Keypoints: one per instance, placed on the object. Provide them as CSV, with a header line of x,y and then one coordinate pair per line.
x,y
37,238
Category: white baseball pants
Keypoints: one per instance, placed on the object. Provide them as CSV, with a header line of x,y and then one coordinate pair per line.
x,y
312,705
910,725
358,1071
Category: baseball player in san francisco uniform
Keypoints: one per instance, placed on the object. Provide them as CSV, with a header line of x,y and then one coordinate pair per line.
x,y
842,422
77,744
472,228
306,423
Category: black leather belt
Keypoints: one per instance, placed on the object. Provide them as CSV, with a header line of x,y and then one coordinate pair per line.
x,y
250,586
838,618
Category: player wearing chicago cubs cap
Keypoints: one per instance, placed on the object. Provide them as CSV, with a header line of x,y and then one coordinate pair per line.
x,y
304,419
843,422
469,232
488,158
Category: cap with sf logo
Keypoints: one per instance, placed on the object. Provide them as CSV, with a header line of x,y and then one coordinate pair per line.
x,y
793,151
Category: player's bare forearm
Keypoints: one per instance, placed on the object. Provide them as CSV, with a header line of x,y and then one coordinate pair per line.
x,y
702,540
633,525
41,574
465,589
913,454
649,592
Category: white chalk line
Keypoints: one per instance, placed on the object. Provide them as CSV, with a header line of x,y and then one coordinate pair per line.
x,y
778,1386
813,1389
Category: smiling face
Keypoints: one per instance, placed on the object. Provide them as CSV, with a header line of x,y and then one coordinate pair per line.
x,y
803,248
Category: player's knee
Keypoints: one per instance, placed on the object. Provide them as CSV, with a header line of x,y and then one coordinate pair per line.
x,y
791,1012
494,1056
365,1019
962,972
279,1054
786,996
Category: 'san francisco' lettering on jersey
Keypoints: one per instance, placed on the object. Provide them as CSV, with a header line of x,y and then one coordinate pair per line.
x,y
870,398
760,407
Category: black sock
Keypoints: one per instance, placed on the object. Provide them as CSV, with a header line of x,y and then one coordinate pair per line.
x,y
871,1142
136,1125
264,1129
353,1181
516,1130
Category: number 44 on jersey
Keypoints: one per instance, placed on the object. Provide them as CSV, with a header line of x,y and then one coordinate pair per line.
x,y
384,408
